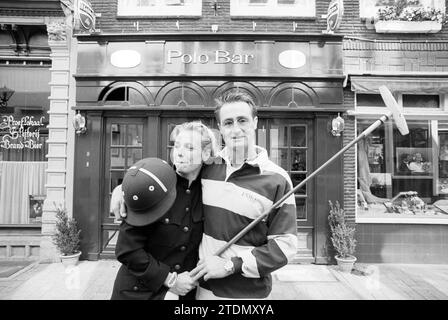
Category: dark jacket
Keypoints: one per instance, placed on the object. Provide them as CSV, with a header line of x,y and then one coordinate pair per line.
x,y
170,244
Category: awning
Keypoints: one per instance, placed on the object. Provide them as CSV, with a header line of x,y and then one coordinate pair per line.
x,y
416,84
31,86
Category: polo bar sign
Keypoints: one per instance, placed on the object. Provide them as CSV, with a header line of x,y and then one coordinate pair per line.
x,y
218,57
23,133
210,58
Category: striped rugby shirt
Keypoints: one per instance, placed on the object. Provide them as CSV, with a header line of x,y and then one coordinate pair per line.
x,y
230,204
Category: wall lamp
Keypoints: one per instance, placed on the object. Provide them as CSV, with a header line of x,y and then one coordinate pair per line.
x,y
337,126
5,95
79,123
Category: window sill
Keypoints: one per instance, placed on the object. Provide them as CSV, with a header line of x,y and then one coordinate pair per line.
x,y
407,26
272,17
20,226
439,219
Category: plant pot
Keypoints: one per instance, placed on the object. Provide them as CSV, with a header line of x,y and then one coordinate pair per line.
x,y
70,260
346,264
398,26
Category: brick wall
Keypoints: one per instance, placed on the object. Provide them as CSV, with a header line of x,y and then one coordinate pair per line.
x,y
352,25
349,160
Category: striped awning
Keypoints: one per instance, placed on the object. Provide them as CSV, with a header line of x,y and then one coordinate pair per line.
x,y
421,84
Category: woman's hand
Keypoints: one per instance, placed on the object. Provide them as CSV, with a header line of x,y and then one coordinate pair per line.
x,y
184,284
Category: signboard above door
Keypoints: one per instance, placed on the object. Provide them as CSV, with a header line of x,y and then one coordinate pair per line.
x,y
211,58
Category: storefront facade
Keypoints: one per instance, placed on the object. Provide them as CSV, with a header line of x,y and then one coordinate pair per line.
x,y
401,213
34,70
133,90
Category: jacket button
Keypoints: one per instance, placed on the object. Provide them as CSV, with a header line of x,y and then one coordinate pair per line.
x,y
187,209
177,267
183,248
135,288
167,221
188,191
186,229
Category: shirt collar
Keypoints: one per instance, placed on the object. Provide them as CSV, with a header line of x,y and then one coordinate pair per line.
x,y
259,161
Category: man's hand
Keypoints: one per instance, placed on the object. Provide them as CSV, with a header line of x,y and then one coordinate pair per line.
x,y
117,205
211,267
184,284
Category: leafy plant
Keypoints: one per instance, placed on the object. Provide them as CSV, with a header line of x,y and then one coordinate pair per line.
x,y
342,235
404,11
67,236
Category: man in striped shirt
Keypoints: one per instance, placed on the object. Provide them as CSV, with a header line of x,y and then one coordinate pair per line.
x,y
236,190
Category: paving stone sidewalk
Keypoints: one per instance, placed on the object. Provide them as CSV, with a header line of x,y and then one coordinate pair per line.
x,y
93,280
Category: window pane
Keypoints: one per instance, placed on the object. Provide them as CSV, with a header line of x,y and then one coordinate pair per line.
x,y
280,157
292,98
301,208
134,135
182,97
134,155
278,136
296,178
117,158
116,177
421,101
298,136
117,135
369,100
298,159
135,97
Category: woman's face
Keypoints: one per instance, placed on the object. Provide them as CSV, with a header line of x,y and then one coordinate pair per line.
x,y
187,151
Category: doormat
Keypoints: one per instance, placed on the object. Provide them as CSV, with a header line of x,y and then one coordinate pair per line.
x,y
304,273
9,268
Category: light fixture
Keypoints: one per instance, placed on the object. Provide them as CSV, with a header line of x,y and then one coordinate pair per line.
x,y
337,126
5,95
79,123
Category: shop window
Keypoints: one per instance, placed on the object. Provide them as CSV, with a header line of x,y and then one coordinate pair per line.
x,y
421,101
23,148
398,175
161,8
273,8
369,8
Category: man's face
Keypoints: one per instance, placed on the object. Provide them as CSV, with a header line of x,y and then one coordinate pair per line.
x,y
187,151
237,126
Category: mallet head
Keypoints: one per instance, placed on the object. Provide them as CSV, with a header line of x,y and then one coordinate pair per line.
x,y
394,108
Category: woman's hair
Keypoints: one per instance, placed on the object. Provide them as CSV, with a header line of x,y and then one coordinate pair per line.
x,y
208,139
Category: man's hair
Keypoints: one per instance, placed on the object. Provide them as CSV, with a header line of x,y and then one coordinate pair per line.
x,y
234,96
208,139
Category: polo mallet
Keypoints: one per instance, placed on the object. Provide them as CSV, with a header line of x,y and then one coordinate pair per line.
x,y
394,111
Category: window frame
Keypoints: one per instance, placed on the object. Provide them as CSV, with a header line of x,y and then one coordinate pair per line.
x,y
305,9
161,9
427,114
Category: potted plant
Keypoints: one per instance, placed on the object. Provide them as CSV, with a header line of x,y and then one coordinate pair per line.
x,y
67,237
342,237
404,18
